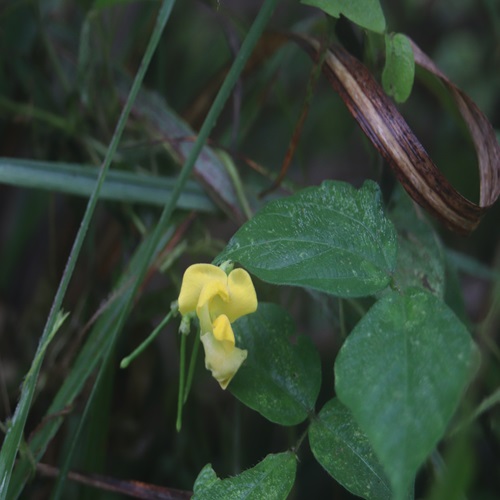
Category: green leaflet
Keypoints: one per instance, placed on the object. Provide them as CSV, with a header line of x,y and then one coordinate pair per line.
x,y
401,372
279,379
341,447
271,479
332,238
399,69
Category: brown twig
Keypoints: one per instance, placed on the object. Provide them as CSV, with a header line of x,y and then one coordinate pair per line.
x,y
134,489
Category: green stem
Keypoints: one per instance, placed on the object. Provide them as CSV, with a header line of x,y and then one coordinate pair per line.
x,y
142,347
238,185
192,365
182,375
492,400
297,446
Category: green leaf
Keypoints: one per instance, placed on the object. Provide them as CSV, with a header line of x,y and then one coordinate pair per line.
x,y
341,447
279,379
331,238
402,372
421,260
206,478
272,478
119,185
399,69
366,13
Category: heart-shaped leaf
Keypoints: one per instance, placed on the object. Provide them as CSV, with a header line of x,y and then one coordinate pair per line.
x,y
271,479
332,238
402,372
342,448
279,379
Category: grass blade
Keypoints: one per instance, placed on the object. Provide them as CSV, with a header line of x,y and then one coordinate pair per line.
x,y
119,185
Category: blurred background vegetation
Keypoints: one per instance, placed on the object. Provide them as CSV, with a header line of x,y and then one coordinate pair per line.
x,y
65,70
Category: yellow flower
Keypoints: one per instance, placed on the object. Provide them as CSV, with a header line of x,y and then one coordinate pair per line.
x,y
218,300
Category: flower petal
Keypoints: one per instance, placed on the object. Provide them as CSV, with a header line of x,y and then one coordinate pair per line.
x,y
242,297
222,329
203,314
213,290
194,280
222,358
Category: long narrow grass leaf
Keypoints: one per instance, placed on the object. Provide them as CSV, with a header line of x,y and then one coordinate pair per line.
x,y
122,186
